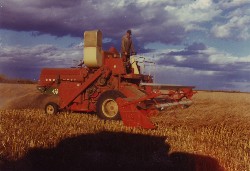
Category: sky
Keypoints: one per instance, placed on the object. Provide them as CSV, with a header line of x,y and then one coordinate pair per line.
x,y
203,43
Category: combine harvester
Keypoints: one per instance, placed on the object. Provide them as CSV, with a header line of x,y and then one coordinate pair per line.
x,y
112,87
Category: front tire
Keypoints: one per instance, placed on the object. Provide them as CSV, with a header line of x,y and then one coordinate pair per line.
x,y
106,106
51,108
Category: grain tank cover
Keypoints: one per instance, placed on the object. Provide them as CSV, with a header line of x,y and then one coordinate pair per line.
x,y
92,50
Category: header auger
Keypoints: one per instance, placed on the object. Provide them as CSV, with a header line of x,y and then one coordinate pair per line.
x,y
110,86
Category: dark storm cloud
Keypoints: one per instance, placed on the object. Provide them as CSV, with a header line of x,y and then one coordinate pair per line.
x,y
60,4
165,22
66,17
192,56
196,56
20,62
195,65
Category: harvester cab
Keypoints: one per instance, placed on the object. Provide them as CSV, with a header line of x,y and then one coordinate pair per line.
x,y
113,88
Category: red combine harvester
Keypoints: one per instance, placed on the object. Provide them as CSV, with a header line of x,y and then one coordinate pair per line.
x,y
111,86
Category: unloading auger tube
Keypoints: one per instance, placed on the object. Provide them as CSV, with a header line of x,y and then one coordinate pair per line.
x,y
110,86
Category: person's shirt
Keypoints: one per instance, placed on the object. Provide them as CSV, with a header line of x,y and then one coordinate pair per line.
x,y
127,45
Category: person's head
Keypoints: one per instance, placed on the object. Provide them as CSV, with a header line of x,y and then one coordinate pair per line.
x,y
129,33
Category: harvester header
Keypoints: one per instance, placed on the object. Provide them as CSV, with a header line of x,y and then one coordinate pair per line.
x,y
111,86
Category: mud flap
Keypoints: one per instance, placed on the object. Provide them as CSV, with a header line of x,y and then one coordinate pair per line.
x,y
133,117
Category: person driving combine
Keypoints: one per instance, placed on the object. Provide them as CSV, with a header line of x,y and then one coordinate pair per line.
x,y
127,47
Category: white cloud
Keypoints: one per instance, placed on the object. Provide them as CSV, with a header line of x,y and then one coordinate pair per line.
x,y
192,13
233,24
233,3
221,31
205,73
237,26
180,58
217,57
40,54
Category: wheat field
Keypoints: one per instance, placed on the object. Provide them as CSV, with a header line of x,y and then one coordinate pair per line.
x,y
213,134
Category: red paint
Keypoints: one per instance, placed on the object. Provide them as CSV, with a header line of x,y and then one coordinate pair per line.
x,y
80,88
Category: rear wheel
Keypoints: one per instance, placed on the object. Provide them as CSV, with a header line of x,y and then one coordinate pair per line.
x,y
51,108
106,105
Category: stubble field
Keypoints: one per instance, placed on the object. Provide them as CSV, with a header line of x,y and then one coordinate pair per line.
x,y
213,134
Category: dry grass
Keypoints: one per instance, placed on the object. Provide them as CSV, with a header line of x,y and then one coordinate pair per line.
x,y
215,128
216,125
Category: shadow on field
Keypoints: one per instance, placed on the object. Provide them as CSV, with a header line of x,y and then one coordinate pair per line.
x,y
112,151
